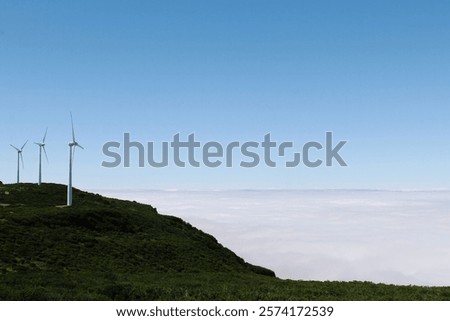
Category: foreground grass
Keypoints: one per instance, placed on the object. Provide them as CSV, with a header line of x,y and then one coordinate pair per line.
x,y
199,286
106,249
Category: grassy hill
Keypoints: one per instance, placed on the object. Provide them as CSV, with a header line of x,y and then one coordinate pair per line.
x,y
107,249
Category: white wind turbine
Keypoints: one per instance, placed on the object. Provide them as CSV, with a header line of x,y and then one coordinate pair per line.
x,y
42,147
19,158
72,146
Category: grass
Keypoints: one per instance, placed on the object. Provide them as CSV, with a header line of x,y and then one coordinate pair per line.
x,y
107,249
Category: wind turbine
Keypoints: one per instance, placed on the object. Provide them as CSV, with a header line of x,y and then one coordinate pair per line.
x,y
42,147
72,146
19,158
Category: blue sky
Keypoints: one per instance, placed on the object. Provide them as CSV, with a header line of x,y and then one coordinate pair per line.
x,y
374,73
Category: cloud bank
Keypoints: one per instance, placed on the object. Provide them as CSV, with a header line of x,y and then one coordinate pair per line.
x,y
379,236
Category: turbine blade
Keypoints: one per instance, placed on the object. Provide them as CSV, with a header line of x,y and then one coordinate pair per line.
x,y
45,153
21,158
73,131
78,145
24,145
45,136
14,147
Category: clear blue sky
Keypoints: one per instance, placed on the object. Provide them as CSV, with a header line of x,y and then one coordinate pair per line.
x,y
376,73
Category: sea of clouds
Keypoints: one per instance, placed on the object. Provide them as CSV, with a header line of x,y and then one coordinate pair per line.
x,y
395,237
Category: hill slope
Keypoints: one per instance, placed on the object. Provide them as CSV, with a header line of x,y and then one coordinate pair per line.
x,y
102,233
103,248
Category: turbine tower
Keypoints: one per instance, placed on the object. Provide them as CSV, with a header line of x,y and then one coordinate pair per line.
x,y
42,147
72,146
19,158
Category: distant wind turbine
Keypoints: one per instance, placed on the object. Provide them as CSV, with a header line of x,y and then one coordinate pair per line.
x,y
72,146
42,147
19,158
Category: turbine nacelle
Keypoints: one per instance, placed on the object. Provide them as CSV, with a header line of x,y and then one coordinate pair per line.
x,y
19,150
75,144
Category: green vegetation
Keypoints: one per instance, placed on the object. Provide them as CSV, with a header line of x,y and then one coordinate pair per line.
x,y
107,249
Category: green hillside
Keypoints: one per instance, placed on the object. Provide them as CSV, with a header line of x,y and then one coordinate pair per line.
x,y
107,249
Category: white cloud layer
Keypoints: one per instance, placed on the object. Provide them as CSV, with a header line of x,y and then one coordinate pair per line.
x,y
378,236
